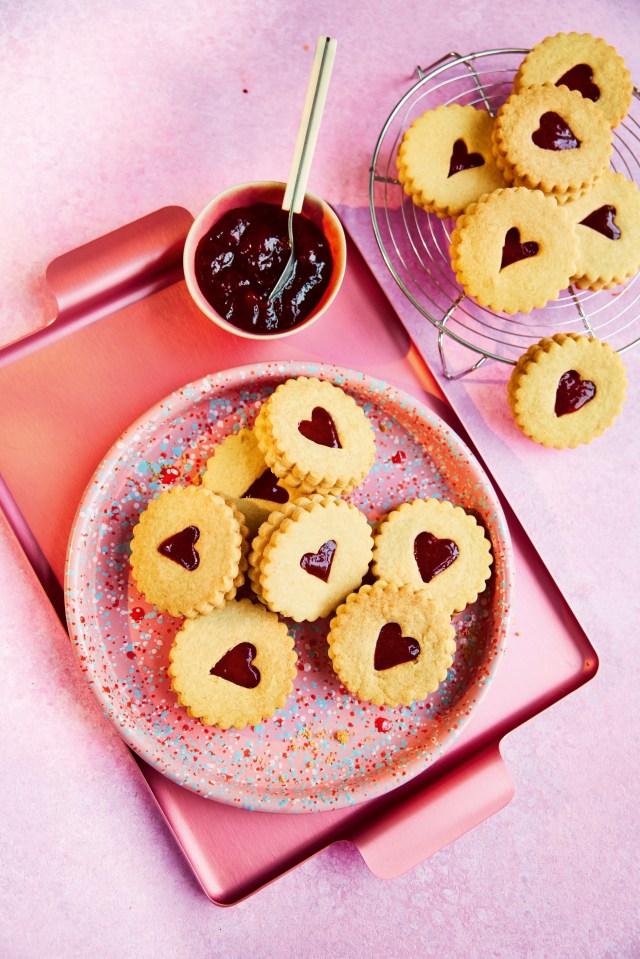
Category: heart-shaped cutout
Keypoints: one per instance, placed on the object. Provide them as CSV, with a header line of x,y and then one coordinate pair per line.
x,y
433,555
393,649
266,487
572,393
461,159
319,564
554,133
513,250
181,548
603,220
320,429
236,666
580,78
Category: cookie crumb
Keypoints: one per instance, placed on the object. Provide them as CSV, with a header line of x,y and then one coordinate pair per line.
x,y
342,736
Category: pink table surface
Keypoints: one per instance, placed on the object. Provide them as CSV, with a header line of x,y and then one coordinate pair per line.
x,y
109,111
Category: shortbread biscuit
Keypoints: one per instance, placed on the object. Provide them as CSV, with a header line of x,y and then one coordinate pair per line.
x,y
514,250
566,390
188,552
391,645
434,545
584,63
315,436
315,557
233,667
445,160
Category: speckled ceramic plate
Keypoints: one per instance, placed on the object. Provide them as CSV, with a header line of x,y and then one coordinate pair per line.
x,y
326,749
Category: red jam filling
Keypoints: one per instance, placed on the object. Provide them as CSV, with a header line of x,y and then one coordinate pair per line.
x,y
266,487
319,564
320,429
393,649
603,221
580,78
513,250
239,261
554,133
572,393
461,159
433,555
181,548
236,666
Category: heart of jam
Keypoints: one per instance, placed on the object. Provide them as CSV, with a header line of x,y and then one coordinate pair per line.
x,y
181,548
393,649
603,220
266,487
320,429
319,564
554,133
236,666
461,159
513,250
433,555
572,393
580,78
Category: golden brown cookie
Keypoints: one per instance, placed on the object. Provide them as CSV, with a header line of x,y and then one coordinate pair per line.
x,y
434,545
391,645
566,390
233,667
584,63
514,250
188,552
445,160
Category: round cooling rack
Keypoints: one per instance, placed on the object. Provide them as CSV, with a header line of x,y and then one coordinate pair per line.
x,y
415,244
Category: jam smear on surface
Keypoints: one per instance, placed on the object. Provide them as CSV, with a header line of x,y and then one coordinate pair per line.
x,y
239,261
554,133
393,649
461,159
580,78
236,666
433,555
603,220
319,564
572,393
320,429
513,250
266,487
181,548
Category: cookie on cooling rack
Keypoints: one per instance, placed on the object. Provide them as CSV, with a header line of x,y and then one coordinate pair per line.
x,y
566,390
553,139
584,63
514,250
607,221
445,160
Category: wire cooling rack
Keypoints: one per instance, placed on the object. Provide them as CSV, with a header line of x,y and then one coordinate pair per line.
x,y
415,244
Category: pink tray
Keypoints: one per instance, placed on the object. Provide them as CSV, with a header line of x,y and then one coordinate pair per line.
x,y
126,335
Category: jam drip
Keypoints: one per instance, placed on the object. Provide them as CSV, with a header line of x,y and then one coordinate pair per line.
x,y
266,487
181,548
580,78
461,159
572,393
513,250
554,133
393,649
320,429
433,555
236,666
603,221
319,564
238,262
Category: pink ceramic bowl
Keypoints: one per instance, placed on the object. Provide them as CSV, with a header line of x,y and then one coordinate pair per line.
x,y
247,194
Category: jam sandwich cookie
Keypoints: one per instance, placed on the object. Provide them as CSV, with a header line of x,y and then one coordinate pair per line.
x,y
431,543
264,535
237,469
566,390
551,138
391,645
514,250
607,222
188,552
445,160
316,555
584,63
315,436
233,667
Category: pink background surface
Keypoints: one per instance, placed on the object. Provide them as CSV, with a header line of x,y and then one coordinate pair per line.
x,y
107,114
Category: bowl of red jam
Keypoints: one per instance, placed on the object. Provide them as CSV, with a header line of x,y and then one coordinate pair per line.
x,y
238,247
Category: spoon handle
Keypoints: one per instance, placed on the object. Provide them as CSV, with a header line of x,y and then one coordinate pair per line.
x,y
309,124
